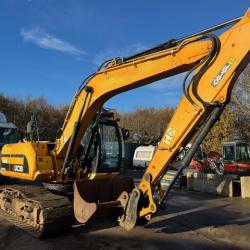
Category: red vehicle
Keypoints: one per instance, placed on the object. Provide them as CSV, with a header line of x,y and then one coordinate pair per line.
x,y
198,162
236,157
212,161
234,160
201,161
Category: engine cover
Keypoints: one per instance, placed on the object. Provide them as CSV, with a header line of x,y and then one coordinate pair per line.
x,y
26,160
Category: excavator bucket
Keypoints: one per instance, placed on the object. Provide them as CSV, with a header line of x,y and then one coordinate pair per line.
x,y
101,197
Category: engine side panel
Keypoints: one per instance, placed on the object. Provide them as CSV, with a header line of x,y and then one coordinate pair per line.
x,y
32,162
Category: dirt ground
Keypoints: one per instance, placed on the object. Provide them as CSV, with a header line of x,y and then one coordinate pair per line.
x,y
190,221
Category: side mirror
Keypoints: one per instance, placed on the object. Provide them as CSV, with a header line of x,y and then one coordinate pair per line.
x,y
125,134
32,128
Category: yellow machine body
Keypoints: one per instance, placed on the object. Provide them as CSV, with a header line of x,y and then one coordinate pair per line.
x,y
27,161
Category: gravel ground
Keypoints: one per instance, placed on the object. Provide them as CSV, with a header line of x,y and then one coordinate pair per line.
x,y
190,221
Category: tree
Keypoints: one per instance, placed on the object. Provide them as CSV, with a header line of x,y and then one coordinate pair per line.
x,y
49,117
150,123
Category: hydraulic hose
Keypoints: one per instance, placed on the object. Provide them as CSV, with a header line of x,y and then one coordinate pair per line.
x,y
206,63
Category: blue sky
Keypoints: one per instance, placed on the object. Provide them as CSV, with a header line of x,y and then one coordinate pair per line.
x,y
48,46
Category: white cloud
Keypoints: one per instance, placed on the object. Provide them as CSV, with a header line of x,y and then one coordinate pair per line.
x,y
44,40
117,52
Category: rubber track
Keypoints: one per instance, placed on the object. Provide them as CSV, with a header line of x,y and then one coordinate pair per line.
x,y
57,211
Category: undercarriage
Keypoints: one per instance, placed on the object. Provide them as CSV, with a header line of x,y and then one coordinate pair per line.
x,y
35,210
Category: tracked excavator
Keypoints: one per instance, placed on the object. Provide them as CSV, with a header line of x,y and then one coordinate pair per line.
x,y
78,175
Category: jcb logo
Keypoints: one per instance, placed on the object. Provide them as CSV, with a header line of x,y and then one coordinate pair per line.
x,y
223,71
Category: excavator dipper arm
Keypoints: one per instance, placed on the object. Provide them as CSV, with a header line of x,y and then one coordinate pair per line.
x,y
198,110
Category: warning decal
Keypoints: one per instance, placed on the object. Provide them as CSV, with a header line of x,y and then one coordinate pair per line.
x,y
167,138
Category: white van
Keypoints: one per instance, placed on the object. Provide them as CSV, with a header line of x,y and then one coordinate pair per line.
x,y
143,155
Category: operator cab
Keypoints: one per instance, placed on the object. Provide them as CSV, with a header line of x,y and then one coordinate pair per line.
x,y
102,145
237,151
236,157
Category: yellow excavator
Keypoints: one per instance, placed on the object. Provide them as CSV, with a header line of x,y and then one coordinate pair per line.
x,y
79,173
